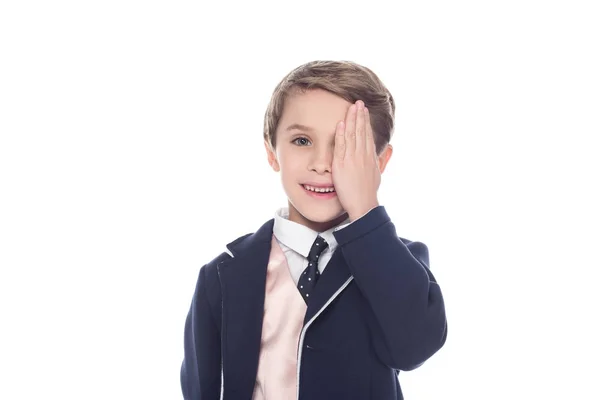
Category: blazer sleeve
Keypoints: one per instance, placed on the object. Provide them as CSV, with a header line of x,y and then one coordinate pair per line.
x,y
201,367
405,310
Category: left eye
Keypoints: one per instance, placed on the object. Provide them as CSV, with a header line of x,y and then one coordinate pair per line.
x,y
300,138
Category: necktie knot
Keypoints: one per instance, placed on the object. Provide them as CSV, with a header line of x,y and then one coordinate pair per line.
x,y
317,248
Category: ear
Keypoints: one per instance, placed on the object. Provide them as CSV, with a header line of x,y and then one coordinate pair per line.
x,y
272,157
384,157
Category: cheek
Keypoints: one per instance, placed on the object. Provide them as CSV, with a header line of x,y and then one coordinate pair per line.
x,y
291,173
291,163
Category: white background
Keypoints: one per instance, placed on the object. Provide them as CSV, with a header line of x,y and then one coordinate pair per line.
x,y
131,153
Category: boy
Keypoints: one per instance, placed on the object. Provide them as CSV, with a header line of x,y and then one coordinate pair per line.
x,y
324,301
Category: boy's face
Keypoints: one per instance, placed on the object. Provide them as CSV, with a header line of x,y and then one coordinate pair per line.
x,y
304,154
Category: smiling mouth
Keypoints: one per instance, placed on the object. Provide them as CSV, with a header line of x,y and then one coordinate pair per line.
x,y
320,193
317,190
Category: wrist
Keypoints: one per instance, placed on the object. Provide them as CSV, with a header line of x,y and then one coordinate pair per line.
x,y
354,215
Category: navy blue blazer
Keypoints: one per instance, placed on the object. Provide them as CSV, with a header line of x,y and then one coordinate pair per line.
x,y
376,310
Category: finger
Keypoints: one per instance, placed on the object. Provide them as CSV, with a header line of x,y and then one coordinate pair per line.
x,y
340,142
350,131
370,144
360,146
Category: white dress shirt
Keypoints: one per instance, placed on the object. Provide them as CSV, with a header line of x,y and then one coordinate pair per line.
x,y
296,240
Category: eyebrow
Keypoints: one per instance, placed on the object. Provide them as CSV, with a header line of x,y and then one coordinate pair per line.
x,y
300,127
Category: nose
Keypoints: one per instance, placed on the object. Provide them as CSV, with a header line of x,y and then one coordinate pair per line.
x,y
321,160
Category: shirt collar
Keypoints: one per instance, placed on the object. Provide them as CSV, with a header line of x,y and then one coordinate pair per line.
x,y
300,238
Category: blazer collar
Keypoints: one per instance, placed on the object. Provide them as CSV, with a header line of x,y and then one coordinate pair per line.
x,y
332,279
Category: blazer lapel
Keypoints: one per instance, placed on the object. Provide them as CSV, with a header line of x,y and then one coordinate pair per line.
x,y
243,289
333,278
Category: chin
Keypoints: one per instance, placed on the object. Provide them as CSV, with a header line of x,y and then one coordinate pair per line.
x,y
320,215
314,211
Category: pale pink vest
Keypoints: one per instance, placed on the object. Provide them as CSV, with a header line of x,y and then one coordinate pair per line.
x,y
282,323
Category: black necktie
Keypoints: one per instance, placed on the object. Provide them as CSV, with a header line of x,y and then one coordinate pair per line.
x,y
309,277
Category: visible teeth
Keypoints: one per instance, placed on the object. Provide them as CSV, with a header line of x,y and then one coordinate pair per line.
x,y
320,190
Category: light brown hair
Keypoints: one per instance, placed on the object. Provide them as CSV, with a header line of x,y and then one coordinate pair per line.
x,y
345,79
